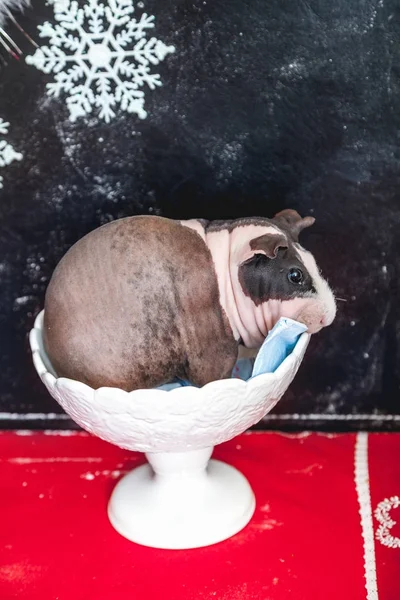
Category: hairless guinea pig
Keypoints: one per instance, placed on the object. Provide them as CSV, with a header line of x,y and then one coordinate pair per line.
x,y
143,300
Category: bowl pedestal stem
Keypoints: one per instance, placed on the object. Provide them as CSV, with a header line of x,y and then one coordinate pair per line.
x,y
181,500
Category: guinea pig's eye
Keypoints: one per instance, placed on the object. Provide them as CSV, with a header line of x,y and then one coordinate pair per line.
x,y
295,276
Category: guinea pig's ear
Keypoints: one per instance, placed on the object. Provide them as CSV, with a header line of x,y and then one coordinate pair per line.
x,y
291,221
254,266
267,244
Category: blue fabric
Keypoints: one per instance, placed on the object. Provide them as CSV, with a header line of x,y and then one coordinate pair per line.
x,y
277,346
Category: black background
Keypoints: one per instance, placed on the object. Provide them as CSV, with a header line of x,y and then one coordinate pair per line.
x,y
264,105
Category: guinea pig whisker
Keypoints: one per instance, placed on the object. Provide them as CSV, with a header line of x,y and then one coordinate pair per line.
x,y
341,299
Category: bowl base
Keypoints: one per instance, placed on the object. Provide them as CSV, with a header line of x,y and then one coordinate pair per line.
x,y
184,511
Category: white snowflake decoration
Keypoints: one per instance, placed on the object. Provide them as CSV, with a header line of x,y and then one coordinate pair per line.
x,y
100,56
7,152
382,513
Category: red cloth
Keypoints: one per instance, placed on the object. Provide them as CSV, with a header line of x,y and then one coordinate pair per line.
x,y
304,542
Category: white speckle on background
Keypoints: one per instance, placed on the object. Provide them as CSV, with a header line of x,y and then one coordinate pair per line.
x,y
7,152
22,300
105,473
225,158
293,69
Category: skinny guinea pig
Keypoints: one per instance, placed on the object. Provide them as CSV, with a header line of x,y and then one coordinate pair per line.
x,y
145,299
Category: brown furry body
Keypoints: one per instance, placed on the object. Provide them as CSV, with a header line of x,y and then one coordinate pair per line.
x,y
123,294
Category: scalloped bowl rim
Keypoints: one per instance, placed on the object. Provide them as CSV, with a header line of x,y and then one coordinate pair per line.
x,y
156,406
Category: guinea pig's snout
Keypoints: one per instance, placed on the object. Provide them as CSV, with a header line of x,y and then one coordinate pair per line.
x,y
314,326
318,316
327,319
326,305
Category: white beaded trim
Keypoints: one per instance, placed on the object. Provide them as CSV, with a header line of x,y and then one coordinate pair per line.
x,y
361,476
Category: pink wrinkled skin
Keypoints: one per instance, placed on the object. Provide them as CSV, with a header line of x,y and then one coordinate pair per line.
x,y
249,322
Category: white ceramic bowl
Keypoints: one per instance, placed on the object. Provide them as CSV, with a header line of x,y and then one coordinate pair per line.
x,y
183,500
